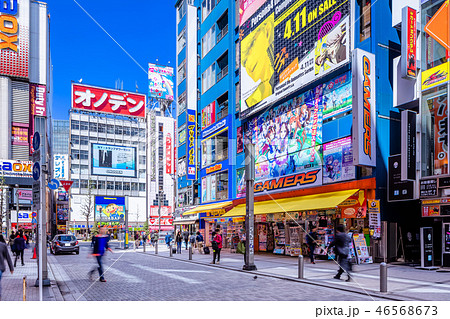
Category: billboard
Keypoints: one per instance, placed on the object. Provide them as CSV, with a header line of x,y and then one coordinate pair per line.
x,y
437,105
61,166
286,45
409,45
364,108
15,38
19,135
111,160
11,168
191,145
168,154
209,115
96,99
109,209
38,107
160,80
435,76
338,161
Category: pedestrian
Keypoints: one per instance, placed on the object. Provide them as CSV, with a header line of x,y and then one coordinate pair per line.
x,y
235,240
4,255
19,244
100,243
11,239
311,240
186,238
156,237
192,241
168,239
216,246
178,239
199,240
341,250
27,240
145,238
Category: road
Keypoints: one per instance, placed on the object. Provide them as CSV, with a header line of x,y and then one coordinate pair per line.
x,y
138,277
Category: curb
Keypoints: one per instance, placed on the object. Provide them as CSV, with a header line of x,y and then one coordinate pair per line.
x,y
387,296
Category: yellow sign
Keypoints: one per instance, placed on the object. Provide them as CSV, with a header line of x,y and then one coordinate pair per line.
x,y
373,206
435,76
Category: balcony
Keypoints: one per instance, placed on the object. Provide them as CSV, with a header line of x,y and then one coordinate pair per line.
x,y
223,107
223,32
222,73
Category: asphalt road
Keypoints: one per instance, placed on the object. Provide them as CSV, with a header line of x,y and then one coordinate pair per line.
x,y
134,276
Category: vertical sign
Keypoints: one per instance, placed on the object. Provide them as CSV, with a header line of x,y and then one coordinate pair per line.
x,y
363,109
191,145
60,166
408,145
168,154
153,146
398,189
409,45
38,107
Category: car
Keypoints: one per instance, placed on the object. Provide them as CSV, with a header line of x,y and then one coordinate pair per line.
x,y
64,244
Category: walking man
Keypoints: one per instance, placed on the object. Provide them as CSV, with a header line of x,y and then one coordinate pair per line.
x,y
311,239
4,255
199,239
100,243
178,239
186,238
168,239
217,246
341,250
19,244
192,241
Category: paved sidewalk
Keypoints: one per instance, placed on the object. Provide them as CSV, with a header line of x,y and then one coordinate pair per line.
x,y
12,285
404,282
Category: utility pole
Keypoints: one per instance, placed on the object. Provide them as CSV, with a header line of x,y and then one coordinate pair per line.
x,y
249,216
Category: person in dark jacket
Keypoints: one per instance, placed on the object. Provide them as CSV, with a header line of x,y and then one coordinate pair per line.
x,y
186,238
11,238
19,244
4,255
100,244
168,239
341,249
311,240
178,239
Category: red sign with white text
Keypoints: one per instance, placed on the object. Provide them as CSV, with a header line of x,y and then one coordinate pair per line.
x,y
411,58
66,185
95,99
168,154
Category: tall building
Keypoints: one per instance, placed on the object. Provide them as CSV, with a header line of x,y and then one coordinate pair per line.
x,y
25,105
61,135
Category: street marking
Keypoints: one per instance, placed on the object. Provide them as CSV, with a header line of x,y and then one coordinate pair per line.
x,y
128,277
182,270
165,273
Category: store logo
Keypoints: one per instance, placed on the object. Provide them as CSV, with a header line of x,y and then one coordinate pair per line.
x,y
367,108
437,76
288,181
8,25
214,168
16,167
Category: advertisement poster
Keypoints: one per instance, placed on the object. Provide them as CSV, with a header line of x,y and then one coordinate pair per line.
x,y
338,161
362,252
168,154
240,177
182,166
160,80
409,45
182,136
25,194
285,46
109,209
96,99
191,144
355,206
438,107
435,76
240,140
373,208
113,160
19,135
61,166
62,214
337,96
430,211
209,115
213,187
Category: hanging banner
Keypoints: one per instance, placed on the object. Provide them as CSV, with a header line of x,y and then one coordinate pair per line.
x,y
364,107
435,76
398,189
355,206
191,145
408,145
437,106
409,47
168,154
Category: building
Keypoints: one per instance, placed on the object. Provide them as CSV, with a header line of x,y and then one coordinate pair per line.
x,y
61,135
25,106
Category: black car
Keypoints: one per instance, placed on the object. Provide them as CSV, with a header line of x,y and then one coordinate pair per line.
x,y
64,244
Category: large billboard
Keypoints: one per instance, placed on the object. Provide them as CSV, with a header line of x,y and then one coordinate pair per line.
x,y
110,209
111,160
97,99
160,80
338,161
15,38
288,44
12,168
191,145
61,166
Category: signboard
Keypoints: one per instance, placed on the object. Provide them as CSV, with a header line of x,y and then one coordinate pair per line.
x,y
338,161
192,145
216,127
363,109
437,106
284,47
62,213
239,140
96,99
209,115
426,246
160,80
36,196
428,188
38,99
168,154
337,96
247,8
25,194
408,145
19,135
360,246
182,135
435,76
409,45
111,160
153,145
165,211
373,208
53,184
438,27
355,206
308,178
110,209
66,185
24,216
11,168
240,177
431,211
60,166
15,38
398,189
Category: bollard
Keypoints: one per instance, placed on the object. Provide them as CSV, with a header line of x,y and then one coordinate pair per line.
x,y
301,267
190,252
170,251
24,288
383,277
156,249
144,246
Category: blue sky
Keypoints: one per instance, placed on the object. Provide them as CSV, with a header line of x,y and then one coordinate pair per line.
x,y
80,49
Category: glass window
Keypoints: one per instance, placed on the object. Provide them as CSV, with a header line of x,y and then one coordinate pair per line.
x,y
207,7
75,139
75,154
75,125
93,127
134,186
222,185
215,149
119,142
142,146
101,128
93,184
142,132
127,131
182,103
84,140
110,140
84,154
433,53
181,40
142,173
215,187
126,186
118,130
118,186
84,126
110,129
75,168
142,187
134,131
109,185
209,77
181,74
101,184
83,183
365,20
435,131
181,10
76,183
84,169
102,139
209,40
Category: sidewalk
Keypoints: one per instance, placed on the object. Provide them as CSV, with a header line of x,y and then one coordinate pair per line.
x,y
12,285
404,282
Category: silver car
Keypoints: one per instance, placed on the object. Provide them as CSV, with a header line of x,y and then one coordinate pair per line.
x,y
64,244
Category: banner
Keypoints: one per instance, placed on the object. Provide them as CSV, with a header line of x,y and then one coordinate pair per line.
x,y
60,166
355,206
111,160
192,145
338,161
110,209
408,144
409,46
168,154
435,76
19,135
287,44
364,108
437,106
160,80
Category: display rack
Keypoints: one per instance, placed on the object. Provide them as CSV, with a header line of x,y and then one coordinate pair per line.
x,y
280,239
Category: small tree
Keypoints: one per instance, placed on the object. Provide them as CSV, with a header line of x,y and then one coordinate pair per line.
x,y
3,201
94,231
87,208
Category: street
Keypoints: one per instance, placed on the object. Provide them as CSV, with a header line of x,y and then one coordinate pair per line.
x,y
135,276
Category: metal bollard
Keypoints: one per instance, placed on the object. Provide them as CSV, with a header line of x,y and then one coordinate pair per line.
x,y
24,288
144,246
190,252
170,251
301,267
383,277
156,249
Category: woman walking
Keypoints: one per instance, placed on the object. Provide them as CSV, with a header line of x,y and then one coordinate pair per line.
x,y
4,255
178,239
217,246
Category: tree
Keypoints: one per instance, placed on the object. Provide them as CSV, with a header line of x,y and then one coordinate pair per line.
x,y
3,201
87,208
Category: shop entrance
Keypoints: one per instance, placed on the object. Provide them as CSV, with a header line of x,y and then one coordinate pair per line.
x,y
446,245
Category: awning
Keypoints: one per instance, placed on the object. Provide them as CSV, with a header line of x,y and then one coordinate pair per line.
x,y
208,207
307,202
184,222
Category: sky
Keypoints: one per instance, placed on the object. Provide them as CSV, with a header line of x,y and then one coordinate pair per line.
x,y
80,49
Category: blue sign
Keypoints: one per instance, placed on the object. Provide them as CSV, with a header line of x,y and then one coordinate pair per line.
x,y
215,127
34,221
36,171
191,145
36,141
54,184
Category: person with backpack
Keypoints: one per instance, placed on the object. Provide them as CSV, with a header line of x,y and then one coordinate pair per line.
x,y
4,255
341,249
19,246
216,246
199,240
192,241
311,240
168,239
186,238
178,239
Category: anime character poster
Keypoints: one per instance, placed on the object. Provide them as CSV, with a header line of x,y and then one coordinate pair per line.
x,y
240,140
240,177
338,161
337,96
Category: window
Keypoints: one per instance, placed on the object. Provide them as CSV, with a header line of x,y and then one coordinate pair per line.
x,y
75,154
84,169
238,97
142,132
118,130
119,142
181,11
207,7
134,131
84,155
215,149
75,169
222,25
76,183
101,185
209,40
142,159
142,187
223,106
84,140
238,52
102,139
75,125
110,140
93,127
118,186
109,185
127,131
142,173
222,64
182,103
222,185
134,186
142,146
75,139
209,78
215,187
84,126
83,183
364,21
92,184
181,40
110,129
101,128
181,75
126,186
